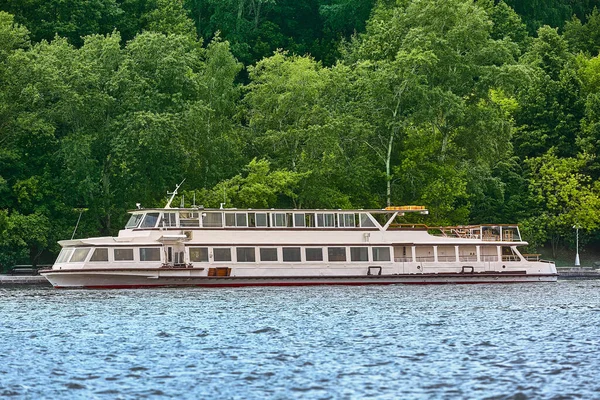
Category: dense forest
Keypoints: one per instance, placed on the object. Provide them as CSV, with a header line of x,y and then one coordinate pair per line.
x,y
482,111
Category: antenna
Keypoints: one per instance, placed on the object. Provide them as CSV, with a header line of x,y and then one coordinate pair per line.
x,y
182,204
194,205
81,210
173,194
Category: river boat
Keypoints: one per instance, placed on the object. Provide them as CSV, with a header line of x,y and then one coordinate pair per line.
x,y
228,247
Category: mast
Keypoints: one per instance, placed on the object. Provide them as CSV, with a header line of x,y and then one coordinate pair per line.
x,y
173,194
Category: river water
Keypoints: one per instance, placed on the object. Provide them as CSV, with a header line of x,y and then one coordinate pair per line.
x,y
452,341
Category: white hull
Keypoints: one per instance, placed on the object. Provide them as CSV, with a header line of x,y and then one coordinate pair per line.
x,y
192,277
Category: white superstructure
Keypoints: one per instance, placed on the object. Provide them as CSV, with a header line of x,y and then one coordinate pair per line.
x,y
245,247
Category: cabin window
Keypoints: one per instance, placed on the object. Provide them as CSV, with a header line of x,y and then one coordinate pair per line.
x,y
79,255
246,254
359,254
326,220
381,253
336,253
261,219
236,219
188,219
279,219
268,254
299,220
346,220
149,220
199,254
291,254
310,220
168,220
212,220
150,254
365,221
222,254
314,254
123,254
100,254
134,221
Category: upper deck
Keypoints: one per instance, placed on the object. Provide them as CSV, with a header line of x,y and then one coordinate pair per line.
x,y
305,219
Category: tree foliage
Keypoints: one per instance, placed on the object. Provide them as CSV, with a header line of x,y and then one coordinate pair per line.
x,y
485,111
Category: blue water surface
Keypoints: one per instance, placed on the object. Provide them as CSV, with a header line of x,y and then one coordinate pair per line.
x,y
451,341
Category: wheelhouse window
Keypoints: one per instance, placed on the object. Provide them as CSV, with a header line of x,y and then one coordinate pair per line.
x,y
168,220
150,220
79,255
212,220
246,254
64,255
199,254
336,254
359,254
222,254
150,254
346,220
314,254
123,254
381,253
134,221
291,254
100,254
268,254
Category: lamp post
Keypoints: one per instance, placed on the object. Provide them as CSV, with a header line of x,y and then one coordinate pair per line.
x,y
576,245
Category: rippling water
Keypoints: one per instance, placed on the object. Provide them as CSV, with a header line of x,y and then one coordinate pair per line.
x,y
479,341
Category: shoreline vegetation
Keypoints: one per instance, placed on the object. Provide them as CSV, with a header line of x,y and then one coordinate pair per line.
x,y
482,111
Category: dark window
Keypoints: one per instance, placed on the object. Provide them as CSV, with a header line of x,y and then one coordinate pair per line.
x,y
291,254
150,254
359,254
100,254
381,254
222,254
246,254
268,254
123,254
336,253
314,254
199,254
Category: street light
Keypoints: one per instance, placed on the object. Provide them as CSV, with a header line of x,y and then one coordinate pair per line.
x,y
576,227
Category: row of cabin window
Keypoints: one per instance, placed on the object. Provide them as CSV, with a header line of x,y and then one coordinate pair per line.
x,y
289,254
245,219
223,254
